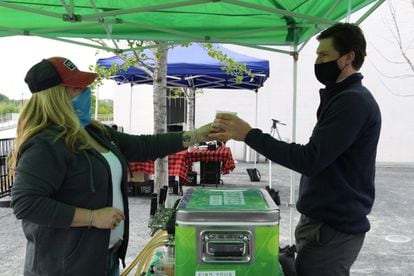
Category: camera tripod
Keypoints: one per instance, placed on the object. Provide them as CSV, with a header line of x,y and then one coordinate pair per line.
x,y
273,130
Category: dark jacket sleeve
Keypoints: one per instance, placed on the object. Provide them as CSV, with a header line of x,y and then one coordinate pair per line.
x,y
139,148
337,129
39,173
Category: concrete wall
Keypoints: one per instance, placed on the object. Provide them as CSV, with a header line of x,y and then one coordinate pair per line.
x,y
133,108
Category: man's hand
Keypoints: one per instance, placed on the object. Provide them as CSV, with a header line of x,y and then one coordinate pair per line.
x,y
228,126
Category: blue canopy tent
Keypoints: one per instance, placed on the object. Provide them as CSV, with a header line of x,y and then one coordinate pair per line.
x,y
193,67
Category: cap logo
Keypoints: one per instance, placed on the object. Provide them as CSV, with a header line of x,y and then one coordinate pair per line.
x,y
69,64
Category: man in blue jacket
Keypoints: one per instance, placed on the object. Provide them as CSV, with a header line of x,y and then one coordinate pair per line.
x,y
336,191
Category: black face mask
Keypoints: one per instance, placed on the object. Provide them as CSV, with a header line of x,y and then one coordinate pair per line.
x,y
327,72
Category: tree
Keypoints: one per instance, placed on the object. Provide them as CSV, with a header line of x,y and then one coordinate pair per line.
x,y
230,66
157,69
3,98
160,110
6,107
9,106
104,106
403,45
403,38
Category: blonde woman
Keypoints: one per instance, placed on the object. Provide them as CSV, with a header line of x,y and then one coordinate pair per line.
x,y
70,188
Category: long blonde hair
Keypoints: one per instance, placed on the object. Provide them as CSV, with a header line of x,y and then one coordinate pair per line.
x,y
51,107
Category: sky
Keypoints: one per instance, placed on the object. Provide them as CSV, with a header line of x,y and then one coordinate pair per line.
x,y
19,53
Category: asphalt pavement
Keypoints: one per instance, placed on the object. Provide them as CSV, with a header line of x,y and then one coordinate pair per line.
x,y
388,249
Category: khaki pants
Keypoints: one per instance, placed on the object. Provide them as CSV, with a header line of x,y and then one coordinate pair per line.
x,y
324,251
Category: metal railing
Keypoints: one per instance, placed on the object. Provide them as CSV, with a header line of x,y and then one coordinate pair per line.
x,y
105,118
8,120
6,180
5,117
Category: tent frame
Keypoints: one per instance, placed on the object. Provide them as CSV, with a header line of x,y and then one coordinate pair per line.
x,y
107,19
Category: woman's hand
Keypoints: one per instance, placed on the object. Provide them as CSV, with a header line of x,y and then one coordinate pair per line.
x,y
196,136
203,132
107,218
104,218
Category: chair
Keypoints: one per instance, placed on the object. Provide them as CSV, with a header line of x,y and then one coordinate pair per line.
x,y
210,172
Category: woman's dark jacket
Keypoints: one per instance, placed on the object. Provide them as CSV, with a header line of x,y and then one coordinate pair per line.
x,y
51,181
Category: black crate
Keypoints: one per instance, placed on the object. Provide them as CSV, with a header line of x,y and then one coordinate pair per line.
x,y
210,172
141,188
192,178
175,187
254,174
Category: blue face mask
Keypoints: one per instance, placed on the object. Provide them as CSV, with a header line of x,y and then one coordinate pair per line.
x,y
83,107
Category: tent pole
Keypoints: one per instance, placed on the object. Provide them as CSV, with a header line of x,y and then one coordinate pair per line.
x,y
348,14
277,11
255,125
147,8
130,108
291,203
371,10
270,167
76,42
191,109
69,9
30,10
262,48
96,103
107,27
270,173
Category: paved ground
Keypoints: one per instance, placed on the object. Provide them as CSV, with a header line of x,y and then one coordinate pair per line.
x,y
388,249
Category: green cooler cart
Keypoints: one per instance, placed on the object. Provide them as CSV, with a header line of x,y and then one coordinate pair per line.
x,y
227,232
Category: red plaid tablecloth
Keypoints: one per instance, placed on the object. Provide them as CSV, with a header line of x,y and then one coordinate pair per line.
x,y
181,163
177,165
222,154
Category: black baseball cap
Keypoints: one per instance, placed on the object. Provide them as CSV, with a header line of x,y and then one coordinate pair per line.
x,y
57,71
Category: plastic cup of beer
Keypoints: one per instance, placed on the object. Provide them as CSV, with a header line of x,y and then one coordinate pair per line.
x,y
225,112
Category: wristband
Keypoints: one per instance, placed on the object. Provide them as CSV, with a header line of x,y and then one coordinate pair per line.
x,y
90,219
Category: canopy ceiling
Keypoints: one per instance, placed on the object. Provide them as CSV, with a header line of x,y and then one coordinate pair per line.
x,y
244,22
193,67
